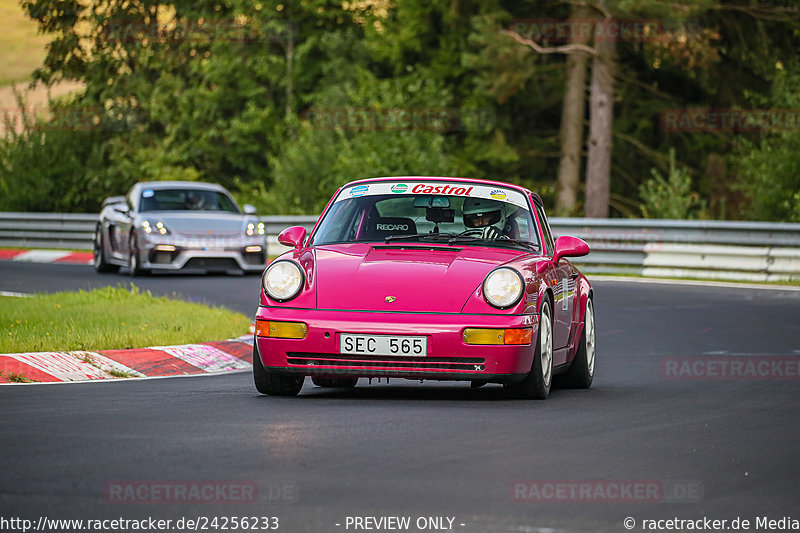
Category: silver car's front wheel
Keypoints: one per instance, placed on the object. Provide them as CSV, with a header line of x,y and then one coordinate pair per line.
x,y
99,253
133,257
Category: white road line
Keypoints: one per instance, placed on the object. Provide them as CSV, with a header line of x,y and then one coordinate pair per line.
x,y
41,256
15,294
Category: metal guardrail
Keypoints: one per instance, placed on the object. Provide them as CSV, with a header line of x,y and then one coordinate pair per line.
x,y
47,230
730,250
752,251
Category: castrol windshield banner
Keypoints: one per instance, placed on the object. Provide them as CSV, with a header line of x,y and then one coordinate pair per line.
x,y
443,187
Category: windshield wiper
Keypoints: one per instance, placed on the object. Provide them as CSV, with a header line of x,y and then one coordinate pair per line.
x,y
420,236
453,238
470,238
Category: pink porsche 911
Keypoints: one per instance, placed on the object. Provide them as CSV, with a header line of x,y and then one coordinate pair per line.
x,y
426,278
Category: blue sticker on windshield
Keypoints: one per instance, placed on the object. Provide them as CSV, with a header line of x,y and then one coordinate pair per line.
x,y
355,192
148,193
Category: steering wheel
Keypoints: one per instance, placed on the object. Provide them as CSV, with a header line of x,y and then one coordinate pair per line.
x,y
473,231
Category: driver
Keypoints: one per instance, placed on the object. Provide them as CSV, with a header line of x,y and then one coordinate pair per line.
x,y
483,213
195,200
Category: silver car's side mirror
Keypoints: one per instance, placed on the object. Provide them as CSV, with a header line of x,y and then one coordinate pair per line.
x,y
249,209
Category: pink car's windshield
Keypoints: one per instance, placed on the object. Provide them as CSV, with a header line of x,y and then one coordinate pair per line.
x,y
428,218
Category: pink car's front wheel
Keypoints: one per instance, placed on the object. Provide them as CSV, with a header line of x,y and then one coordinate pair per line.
x,y
536,384
272,383
581,372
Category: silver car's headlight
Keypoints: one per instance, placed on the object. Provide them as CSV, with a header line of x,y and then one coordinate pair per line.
x,y
255,228
157,227
503,287
282,280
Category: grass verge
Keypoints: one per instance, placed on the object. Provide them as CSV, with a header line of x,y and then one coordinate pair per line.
x,y
110,318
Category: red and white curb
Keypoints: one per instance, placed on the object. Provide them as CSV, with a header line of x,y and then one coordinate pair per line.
x,y
47,256
157,361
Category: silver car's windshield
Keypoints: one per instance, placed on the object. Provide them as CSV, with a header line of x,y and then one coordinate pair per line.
x,y
448,219
186,200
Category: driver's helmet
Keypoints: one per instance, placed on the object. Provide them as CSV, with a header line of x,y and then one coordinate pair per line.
x,y
481,212
195,200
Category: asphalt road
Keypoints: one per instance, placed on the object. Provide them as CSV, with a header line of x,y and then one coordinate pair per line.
x,y
716,449
239,293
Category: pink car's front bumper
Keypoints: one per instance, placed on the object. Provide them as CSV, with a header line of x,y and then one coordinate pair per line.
x,y
448,357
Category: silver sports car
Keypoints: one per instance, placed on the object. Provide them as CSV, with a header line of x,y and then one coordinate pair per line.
x,y
174,225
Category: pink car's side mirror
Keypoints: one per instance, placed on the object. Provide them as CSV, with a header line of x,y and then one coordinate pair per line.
x,y
293,236
567,246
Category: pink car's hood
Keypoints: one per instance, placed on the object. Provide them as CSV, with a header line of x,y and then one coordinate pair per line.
x,y
419,278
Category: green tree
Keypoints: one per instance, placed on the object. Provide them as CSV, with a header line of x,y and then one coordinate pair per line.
x,y
769,167
671,196
51,163
210,87
223,91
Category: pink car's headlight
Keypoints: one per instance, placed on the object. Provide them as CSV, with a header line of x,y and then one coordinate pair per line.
x,y
282,280
503,287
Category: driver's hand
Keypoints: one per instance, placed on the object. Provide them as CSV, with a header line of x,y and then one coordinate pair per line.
x,y
490,232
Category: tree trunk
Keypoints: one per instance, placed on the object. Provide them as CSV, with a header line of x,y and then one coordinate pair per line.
x,y
601,106
289,65
572,111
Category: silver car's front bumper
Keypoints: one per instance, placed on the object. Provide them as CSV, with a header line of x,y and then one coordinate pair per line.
x,y
167,252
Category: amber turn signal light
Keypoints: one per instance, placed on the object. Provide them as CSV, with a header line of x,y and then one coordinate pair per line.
x,y
498,336
281,330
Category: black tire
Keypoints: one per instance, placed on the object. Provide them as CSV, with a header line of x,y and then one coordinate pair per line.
x,y
271,383
581,372
134,268
341,383
537,383
99,253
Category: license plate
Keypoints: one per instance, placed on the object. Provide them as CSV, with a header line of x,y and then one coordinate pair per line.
x,y
391,345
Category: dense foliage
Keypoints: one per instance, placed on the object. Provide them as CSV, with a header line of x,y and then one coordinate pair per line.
x,y
282,101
